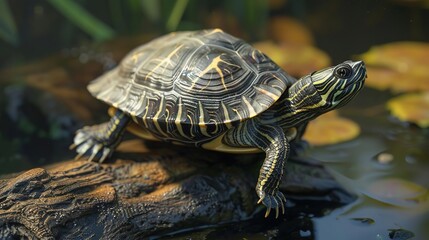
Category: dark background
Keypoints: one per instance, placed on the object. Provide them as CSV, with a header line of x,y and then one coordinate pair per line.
x,y
342,28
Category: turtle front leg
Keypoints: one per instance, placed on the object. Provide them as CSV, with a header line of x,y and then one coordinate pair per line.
x,y
100,140
275,143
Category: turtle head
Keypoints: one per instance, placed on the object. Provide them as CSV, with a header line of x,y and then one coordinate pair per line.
x,y
337,85
329,88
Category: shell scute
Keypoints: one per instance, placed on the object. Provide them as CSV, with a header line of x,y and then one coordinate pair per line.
x,y
192,84
212,71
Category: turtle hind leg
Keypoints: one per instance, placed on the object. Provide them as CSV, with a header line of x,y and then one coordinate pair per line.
x,y
275,143
99,141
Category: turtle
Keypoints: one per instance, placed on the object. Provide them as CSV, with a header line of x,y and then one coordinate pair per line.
x,y
212,90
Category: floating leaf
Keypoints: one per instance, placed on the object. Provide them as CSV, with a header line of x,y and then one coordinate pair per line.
x,y
396,192
399,66
296,60
330,129
404,57
289,30
413,107
383,78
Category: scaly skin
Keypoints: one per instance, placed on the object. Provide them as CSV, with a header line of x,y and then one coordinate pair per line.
x,y
274,142
100,140
195,88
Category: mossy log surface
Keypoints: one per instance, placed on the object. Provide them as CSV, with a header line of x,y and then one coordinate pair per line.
x,y
139,193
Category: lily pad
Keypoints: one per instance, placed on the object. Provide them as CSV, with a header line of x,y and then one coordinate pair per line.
x,y
289,30
398,66
330,128
397,192
384,78
404,57
296,60
413,107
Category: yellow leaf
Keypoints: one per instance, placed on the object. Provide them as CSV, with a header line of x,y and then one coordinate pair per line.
x,y
404,57
289,30
400,66
382,78
330,129
412,107
397,192
296,60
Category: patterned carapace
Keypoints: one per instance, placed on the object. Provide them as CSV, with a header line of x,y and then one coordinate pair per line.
x,y
192,85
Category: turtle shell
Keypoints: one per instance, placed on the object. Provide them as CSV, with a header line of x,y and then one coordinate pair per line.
x,y
189,86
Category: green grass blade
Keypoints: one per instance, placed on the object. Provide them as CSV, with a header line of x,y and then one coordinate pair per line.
x,y
8,29
84,20
176,15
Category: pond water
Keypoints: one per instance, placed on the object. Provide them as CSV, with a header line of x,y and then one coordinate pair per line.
x,y
43,100
356,160
355,166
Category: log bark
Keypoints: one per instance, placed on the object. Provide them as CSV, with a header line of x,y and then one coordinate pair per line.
x,y
139,193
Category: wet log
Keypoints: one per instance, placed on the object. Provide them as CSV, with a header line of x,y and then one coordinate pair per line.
x,y
139,193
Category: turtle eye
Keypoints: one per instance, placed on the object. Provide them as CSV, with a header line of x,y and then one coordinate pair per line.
x,y
343,71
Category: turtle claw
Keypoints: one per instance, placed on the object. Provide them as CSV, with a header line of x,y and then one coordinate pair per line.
x,y
277,211
95,149
282,200
78,156
260,200
106,153
267,213
274,201
81,150
88,140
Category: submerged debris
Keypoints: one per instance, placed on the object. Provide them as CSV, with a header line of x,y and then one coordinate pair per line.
x,y
400,234
364,220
